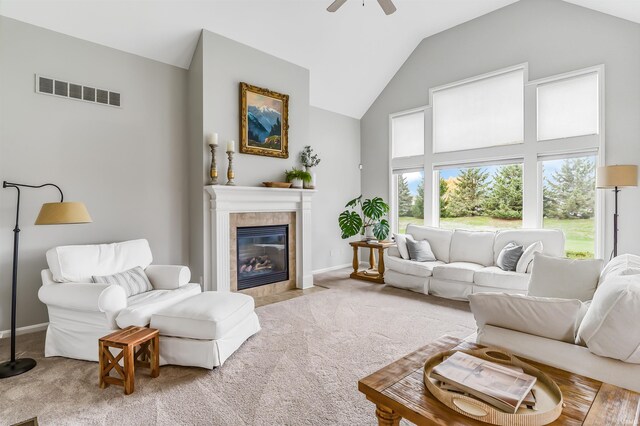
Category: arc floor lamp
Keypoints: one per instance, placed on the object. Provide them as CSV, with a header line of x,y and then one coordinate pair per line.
x,y
616,177
50,214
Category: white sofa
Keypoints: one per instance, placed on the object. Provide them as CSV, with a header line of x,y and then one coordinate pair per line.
x,y
606,351
466,261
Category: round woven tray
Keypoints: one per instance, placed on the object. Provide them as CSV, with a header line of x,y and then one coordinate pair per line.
x,y
549,401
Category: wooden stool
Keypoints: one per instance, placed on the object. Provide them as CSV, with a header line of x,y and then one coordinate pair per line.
x,y
127,340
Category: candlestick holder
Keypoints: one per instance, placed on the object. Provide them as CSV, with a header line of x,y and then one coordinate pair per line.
x,y
230,174
213,171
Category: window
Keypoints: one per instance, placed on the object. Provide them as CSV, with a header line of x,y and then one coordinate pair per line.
x,y
500,151
408,134
481,198
568,107
485,112
408,199
569,202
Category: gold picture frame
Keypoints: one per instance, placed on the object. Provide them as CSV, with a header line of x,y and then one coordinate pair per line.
x,y
264,122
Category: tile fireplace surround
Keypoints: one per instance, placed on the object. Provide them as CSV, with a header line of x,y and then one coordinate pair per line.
x,y
230,200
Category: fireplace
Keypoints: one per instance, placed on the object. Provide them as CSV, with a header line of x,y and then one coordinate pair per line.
x,y
262,255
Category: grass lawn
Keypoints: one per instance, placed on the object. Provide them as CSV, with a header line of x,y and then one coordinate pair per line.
x,y
579,233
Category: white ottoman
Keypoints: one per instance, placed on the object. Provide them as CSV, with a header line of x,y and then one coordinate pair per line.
x,y
204,330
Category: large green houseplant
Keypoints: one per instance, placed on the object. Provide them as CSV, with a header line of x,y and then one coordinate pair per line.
x,y
369,219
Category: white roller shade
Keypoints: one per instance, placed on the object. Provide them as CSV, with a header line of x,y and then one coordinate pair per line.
x,y
568,107
408,134
478,114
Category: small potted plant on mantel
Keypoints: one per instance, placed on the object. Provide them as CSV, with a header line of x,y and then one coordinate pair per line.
x,y
297,177
370,223
309,160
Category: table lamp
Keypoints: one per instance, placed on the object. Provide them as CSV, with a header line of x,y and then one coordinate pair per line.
x,y
50,214
616,177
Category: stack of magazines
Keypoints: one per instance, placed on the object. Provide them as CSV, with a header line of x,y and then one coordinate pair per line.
x,y
504,386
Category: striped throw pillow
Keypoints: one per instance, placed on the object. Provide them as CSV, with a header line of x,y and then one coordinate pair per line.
x,y
134,281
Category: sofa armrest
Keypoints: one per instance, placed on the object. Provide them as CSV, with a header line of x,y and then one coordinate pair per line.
x,y
93,297
393,251
168,277
553,318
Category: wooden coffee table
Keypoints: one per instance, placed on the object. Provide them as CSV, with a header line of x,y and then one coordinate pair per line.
x,y
398,391
127,339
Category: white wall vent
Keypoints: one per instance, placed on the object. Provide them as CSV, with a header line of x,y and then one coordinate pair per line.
x,y
55,87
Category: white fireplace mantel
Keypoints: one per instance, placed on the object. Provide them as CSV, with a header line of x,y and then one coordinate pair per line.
x,y
248,199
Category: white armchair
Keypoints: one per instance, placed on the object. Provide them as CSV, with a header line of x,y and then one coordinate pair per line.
x,y
81,311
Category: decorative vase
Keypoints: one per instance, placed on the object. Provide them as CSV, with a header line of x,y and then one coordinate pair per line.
x,y
312,183
296,183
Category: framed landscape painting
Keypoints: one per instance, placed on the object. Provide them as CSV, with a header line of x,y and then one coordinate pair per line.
x,y
264,117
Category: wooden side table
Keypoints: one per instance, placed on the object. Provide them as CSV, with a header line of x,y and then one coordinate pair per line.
x,y
369,274
127,340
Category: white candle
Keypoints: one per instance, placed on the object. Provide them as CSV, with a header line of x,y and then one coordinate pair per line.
x,y
212,139
231,146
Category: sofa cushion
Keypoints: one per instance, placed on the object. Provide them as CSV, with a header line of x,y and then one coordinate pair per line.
x,y
134,281
142,306
625,264
472,246
80,263
207,316
509,256
401,244
541,316
420,251
439,239
552,240
564,278
457,271
492,276
526,260
410,267
610,326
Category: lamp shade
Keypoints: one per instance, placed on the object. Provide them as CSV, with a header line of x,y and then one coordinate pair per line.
x,y
617,176
63,213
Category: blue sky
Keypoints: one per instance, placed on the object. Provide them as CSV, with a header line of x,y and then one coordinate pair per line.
x,y
414,178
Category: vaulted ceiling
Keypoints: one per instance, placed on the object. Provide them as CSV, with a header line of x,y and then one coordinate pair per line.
x,y
351,54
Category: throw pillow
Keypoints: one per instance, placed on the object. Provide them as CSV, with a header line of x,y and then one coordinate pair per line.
x,y
524,264
610,326
509,256
134,281
548,317
401,243
564,278
420,251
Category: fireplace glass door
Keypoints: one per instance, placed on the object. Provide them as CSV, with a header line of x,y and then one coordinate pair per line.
x,y
262,255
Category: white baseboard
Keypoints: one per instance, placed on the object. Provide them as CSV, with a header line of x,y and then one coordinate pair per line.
x,y
25,330
330,268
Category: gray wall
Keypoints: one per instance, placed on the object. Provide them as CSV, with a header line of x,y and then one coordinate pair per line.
x,y
128,165
336,139
553,37
221,64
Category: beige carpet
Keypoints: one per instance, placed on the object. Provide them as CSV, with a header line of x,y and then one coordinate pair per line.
x,y
301,369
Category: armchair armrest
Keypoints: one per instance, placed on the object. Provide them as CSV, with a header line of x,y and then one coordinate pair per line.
x,y
168,277
93,297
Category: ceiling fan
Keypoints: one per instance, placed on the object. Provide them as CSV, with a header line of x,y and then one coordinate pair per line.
x,y
387,6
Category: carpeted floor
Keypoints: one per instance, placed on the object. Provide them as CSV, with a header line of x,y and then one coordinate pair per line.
x,y
301,369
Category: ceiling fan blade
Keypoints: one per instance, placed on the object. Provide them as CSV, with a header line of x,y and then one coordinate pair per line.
x,y
387,6
336,5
